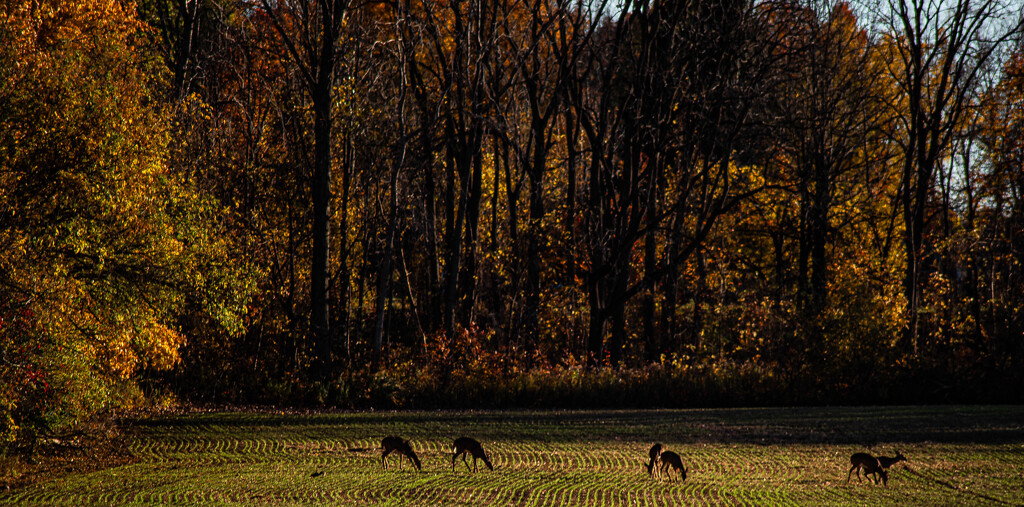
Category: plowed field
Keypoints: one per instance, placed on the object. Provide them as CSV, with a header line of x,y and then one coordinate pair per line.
x,y
958,455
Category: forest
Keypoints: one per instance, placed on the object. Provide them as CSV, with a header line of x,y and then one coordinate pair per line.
x,y
507,203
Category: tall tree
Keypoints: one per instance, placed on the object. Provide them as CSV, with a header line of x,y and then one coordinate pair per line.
x,y
995,215
396,54
179,28
452,48
310,31
543,48
941,49
671,90
107,247
830,108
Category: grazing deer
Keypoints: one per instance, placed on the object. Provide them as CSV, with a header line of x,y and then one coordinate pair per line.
x,y
888,462
399,445
870,465
464,445
671,459
655,454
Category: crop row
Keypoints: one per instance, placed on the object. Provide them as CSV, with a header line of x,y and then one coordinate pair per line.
x,y
542,459
525,474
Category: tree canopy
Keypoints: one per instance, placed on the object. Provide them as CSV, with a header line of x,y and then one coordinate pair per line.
x,y
404,203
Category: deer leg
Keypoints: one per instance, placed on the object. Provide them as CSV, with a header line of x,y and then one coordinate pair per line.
x,y
383,458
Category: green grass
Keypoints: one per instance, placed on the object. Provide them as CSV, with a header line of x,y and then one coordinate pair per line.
x,y
958,455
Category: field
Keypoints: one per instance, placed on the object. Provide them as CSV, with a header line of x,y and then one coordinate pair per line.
x,y
958,455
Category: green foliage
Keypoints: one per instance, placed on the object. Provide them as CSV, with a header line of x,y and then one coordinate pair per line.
x,y
104,247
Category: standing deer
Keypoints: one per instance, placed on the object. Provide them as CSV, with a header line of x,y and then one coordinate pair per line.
x,y
888,462
399,445
870,465
655,454
465,445
671,459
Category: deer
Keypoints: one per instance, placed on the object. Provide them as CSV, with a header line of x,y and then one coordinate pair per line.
x,y
466,445
888,462
669,460
870,464
655,454
399,445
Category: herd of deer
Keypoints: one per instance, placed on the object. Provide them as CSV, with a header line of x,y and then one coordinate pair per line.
x,y
873,466
668,461
462,446
661,461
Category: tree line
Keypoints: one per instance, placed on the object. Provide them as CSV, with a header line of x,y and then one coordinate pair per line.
x,y
274,200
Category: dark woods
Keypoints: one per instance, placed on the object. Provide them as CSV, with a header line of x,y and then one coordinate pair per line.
x,y
548,203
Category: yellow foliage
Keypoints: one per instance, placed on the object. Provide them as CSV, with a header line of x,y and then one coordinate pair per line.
x,y
101,239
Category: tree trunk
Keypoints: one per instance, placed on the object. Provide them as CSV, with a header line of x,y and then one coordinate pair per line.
x,y
595,331
433,292
533,258
572,132
652,348
185,46
456,214
320,275
617,309
344,282
819,223
472,237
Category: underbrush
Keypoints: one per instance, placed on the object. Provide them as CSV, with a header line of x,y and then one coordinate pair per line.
x,y
666,385
470,371
576,386
476,379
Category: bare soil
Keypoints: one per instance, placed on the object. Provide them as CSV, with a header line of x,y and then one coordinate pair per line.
x,y
96,446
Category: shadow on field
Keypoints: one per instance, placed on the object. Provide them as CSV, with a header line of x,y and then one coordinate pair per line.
x,y
951,487
768,426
